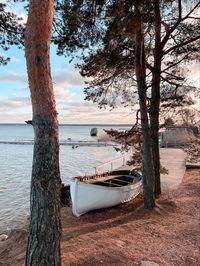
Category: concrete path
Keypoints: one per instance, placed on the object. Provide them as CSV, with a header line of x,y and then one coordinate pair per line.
x,y
174,161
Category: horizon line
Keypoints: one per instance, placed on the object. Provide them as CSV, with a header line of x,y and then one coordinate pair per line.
x,y
71,124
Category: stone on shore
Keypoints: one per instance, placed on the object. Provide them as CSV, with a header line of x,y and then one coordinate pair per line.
x,y
169,202
148,263
3,237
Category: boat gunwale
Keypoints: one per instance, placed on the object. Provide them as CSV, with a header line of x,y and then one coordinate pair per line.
x,y
121,188
107,175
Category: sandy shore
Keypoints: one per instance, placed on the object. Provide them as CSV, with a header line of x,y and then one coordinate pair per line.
x,y
128,234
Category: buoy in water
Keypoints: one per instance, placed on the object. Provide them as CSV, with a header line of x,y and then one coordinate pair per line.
x,y
75,146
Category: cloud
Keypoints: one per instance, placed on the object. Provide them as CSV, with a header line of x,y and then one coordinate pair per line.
x,y
14,59
68,86
65,77
195,73
68,77
17,9
10,104
13,77
15,117
65,80
18,109
89,113
61,88
23,17
63,94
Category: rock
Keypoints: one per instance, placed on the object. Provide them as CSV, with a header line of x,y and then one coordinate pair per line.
x,y
148,263
29,122
120,243
149,222
3,237
93,132
169,202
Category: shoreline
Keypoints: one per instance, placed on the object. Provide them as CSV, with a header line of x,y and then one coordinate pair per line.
x,y
128,233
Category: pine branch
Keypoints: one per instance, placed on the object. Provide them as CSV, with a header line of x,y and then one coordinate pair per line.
x,y
181,45
179,20
176,63
170,82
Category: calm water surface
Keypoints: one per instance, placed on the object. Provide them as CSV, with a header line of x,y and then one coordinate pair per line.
x,y
16,152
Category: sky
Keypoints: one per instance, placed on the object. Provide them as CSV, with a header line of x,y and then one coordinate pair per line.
x,y
15,103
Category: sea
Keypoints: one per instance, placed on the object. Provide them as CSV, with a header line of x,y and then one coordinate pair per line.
x,y
79,154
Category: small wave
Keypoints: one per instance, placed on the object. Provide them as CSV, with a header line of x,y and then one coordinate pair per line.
x,y
86,143
65,143
17,142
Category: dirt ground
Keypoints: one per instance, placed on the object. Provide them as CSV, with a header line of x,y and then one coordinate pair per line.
x,y
128,234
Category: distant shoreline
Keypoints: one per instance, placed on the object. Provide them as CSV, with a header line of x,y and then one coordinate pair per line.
x,y
114,125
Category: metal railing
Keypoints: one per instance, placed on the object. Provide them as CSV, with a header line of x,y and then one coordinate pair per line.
x,y
112,164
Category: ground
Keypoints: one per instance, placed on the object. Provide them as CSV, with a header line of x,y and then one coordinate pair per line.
x,y
128,234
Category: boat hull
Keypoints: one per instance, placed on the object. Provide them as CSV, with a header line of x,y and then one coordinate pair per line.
x,y
87,197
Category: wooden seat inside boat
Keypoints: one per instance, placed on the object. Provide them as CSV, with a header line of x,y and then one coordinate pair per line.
x,y
114,181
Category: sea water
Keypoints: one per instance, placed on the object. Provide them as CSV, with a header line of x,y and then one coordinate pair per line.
x,y
16,152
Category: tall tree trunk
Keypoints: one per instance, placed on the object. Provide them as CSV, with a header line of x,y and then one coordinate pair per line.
x,y
155,98
45,226
140,66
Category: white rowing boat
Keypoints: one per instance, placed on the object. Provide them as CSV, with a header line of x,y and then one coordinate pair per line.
x,y
102,191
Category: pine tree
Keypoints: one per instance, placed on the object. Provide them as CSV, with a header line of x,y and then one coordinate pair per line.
x,y
45,224
106,30
11,31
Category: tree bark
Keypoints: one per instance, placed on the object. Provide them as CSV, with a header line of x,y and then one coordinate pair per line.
x,y
140,66
155,99
45,226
